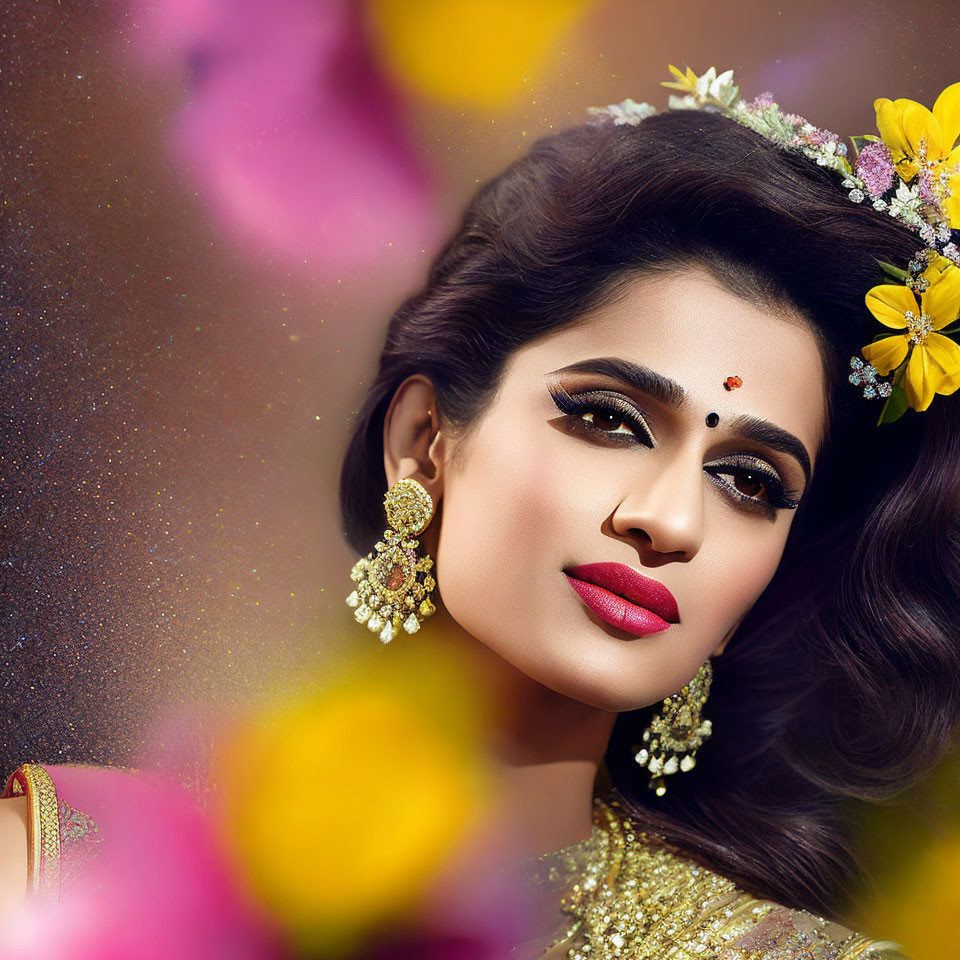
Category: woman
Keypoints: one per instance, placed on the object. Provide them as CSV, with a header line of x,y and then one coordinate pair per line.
x,y
669,530
628,372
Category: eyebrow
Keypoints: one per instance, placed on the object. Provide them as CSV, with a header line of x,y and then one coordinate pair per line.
x,y
669,393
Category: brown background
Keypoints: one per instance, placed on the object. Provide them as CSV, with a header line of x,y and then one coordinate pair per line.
x,y
174,413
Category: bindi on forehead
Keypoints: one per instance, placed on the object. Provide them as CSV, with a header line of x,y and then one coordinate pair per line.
x,y
671,394
731,383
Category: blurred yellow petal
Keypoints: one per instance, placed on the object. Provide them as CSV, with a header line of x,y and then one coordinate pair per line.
x,y
886,354
340,806
480,51
944,354
920,125
941,300
913,895
918,895
947,111
921,379
888,302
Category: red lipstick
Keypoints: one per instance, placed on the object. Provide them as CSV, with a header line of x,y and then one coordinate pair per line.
x,y
625,599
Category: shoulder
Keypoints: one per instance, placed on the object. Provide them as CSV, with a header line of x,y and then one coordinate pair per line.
x,y
139,842
76,816
762,928
859,947
719,915
13,849
55,828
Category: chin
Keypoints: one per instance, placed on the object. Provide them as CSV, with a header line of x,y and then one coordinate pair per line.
x,y
595,687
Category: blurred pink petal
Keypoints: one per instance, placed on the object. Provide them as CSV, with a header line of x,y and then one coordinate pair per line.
x,y
143,879
294,136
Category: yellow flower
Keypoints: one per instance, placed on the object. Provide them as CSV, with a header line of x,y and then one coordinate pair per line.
x,y
482,53
711,87
934,364
921,139
340,806
687,82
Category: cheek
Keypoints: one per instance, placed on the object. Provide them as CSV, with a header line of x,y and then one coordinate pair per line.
x,y
504,508
737,569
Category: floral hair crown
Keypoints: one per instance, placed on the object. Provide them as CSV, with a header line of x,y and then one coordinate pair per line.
x,y
910,172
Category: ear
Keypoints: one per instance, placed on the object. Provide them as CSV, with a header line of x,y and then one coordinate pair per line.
x,y
413,445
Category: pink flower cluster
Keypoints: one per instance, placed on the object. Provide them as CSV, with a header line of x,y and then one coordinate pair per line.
x,y
874,167
764,99
925,180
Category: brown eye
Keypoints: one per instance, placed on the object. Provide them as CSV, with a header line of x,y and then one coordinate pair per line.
x,y
605,421
609,417
750,485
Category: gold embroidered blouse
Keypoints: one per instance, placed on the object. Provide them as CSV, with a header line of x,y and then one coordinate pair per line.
x,y
624,894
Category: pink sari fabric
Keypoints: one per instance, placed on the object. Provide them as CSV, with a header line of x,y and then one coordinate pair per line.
x,y
124,865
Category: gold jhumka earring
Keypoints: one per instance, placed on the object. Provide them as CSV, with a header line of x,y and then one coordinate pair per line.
x,y
677,731
389,594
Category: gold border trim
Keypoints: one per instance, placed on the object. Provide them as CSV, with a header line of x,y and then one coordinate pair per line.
x,y
862,946
43,827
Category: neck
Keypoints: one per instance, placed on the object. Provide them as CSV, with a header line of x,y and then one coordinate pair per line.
x,y
546,748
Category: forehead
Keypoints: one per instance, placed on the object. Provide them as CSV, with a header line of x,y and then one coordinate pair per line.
x,y
687,326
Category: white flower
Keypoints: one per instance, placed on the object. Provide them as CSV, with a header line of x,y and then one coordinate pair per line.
x,y
704,83
627,111
720,88
906,194
686,102
633,112
905,202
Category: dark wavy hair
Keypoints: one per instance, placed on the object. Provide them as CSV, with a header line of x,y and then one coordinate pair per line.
x,y
844,680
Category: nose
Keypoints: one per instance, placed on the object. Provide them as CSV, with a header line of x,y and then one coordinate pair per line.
x,y
662,511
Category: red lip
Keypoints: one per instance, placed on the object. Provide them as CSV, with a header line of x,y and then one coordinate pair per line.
x,y
624,598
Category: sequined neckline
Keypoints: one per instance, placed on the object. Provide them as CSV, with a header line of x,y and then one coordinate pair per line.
x,y
585,864
562,867
601,879
627,892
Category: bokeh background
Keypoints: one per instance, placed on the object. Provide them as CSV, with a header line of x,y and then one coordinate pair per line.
x,y
210,208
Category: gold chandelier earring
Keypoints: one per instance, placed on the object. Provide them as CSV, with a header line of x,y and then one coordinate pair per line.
x,y
676,731
393,581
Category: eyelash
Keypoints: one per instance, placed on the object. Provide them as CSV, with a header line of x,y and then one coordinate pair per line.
x,y
743,465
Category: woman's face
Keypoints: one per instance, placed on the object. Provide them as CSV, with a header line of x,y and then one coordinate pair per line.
x,y
597,450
